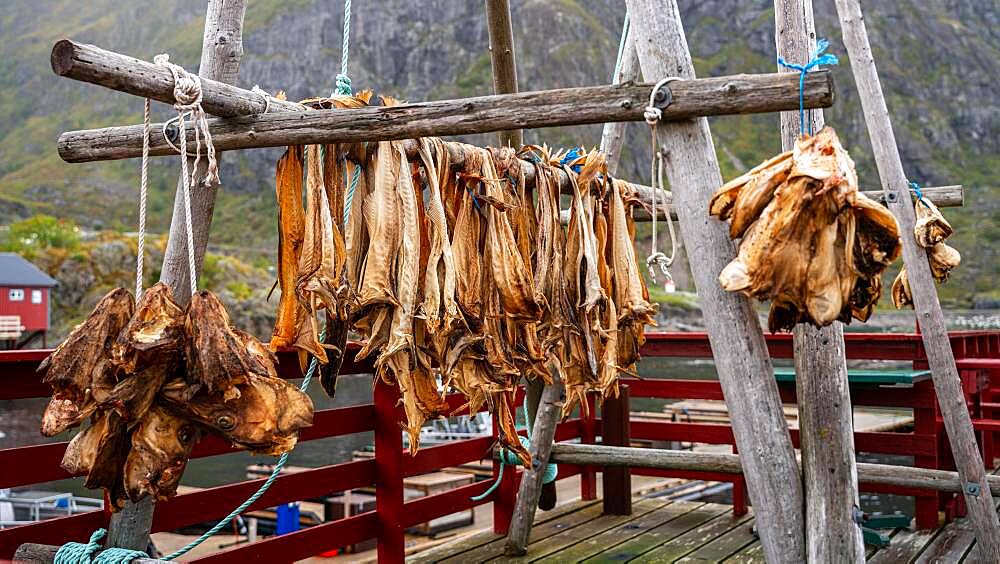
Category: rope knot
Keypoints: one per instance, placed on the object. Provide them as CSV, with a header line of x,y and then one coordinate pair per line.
x,y
344,85
652,115
820,57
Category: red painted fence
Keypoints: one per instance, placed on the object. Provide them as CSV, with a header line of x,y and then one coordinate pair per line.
x,y
978,354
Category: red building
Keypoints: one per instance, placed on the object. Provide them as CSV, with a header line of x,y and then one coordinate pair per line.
x,y
24,301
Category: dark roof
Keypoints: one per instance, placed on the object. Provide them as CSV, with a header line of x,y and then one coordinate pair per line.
x,y
16,270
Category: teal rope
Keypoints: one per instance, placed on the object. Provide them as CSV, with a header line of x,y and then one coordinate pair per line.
x,y
621,50
349,197
508,458
344,81
818,59
80,553
918,193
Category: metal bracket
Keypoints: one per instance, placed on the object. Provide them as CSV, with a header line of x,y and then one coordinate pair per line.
x,y
663,96
172,132
857,515
972,488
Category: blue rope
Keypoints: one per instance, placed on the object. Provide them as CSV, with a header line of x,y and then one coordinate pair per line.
x,y
260,491
80,553
918,193
818,59
508,458
349,197
344,81
571,156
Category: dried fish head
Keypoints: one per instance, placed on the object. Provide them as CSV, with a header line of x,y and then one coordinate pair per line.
x,y
161,445
931,227
80,370
155,333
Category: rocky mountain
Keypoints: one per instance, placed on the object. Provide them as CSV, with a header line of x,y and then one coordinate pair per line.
x,y
937,59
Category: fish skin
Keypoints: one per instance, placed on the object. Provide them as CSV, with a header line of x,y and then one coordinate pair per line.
x,y
291,234
161,446
383,216
80,370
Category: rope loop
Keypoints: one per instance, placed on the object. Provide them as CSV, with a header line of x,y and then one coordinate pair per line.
x,y
91,553
344,85
508,458
820,57
264,96
918,193
652,114
344,81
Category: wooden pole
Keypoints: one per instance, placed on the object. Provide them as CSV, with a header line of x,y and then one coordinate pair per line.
x,y
89,63
738,94
222,49
616,480
613,137
684,460
737,341
829,471
498,21
542,435
982,514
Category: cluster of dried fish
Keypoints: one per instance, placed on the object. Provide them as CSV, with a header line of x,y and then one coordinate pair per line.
x,y
811,242
457,275
152,378
930,231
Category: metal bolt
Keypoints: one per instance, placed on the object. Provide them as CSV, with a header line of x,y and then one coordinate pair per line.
x,y
972,488
172,132
626,104
660,96
891,197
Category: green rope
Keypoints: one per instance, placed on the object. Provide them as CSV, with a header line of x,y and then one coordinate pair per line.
x,y
344,81
80,553
349,197
260,491
508,458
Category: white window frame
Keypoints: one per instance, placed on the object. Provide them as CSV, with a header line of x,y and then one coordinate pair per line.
x,y
15,294
36,296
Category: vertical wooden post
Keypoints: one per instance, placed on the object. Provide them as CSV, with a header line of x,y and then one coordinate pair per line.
x,y
221,51
741,356
617,480
542,434
502,58
588,477
829,471
958,424
506,493
388,475
613,136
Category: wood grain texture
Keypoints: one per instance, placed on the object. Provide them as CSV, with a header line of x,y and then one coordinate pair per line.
x,y
613,136
542,435
89,63
826,431
663,459
940,358
738,346
737,94
222,49
498,22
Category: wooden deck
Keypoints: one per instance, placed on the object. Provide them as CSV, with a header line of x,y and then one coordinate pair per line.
x,y
680,531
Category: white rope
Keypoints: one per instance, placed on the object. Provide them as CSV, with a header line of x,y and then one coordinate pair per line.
x,y
652,115
264,95
187,97
143,186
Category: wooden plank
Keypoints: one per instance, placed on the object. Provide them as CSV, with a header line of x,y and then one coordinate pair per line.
x,y
89,63
487,536
940,358
725,533
541,530
222,49
657,536
829,472
737,342
949,545
725,545
553,544
637,527
502,59
904,546
725,95
753,553
530,489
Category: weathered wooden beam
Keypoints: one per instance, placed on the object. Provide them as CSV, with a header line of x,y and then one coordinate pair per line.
x,y
46,553
737,94
613,136
958,424
498,22
542,436
662,459
829,471
89,63
738,346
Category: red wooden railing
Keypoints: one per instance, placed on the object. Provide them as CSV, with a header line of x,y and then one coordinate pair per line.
x,y
977,353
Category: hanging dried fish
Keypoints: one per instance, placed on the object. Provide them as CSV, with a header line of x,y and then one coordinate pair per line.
x,y
161,445
812,244
930,231
291,232
80,370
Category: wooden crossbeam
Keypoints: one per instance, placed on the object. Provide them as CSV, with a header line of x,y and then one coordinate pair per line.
x,y
663,459
737,94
